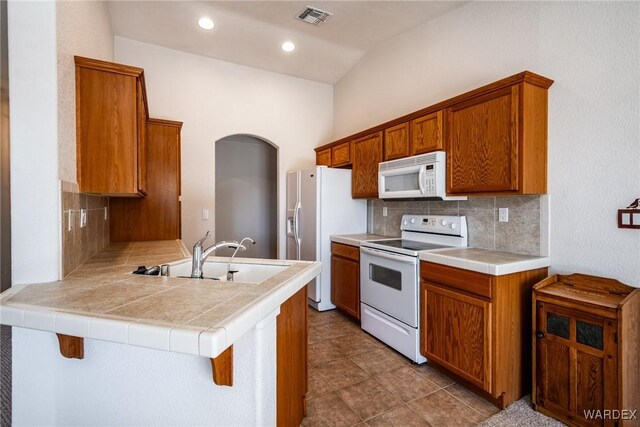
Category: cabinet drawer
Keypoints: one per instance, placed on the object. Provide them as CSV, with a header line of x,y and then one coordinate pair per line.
x,y
341,154
345,251
457,278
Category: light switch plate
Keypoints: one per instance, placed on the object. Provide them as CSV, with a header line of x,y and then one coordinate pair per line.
x,y
503,214
205,214
69,220
384,211
83,218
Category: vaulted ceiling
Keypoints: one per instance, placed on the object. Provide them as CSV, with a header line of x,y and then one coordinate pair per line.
x,y
252,32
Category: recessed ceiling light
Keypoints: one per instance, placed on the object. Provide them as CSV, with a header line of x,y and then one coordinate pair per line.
x,y
205,23
288,46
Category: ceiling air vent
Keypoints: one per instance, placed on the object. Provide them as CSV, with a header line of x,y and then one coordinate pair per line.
x,y
314,16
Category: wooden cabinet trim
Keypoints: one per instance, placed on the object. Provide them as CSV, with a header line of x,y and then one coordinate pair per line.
x,y
222,368
525,76
71,347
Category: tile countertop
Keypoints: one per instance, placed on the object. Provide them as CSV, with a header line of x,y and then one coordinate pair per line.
x,y
356,239
485,261
102,300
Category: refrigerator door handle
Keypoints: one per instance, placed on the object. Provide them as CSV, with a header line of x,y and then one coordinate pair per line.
x,y
296,227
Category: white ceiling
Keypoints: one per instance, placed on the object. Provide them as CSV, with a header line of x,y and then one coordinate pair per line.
x,y
251,32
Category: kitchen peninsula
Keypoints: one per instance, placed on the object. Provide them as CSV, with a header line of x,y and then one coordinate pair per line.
x,y
116,322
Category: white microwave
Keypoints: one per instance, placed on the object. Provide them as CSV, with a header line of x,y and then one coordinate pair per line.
x,y
416,177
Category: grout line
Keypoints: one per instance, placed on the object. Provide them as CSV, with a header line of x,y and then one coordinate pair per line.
x,y
459,400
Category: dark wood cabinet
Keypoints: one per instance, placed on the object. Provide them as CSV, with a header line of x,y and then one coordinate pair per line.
x,y
476,326
158,215
291,360
426,133
586,342
367,154
396,141
111,117
345,278
497,142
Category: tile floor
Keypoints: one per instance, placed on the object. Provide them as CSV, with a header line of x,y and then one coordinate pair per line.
x,y
356,380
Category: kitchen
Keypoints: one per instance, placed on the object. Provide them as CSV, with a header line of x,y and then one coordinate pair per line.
x,y
472,45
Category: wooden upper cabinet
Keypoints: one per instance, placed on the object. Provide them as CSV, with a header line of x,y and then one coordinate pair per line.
x,y
158,215
426,134
341,154
111,116
323,157
367,154
396,141
497,142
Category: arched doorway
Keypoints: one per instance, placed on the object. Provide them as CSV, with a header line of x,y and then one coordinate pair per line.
x,y
247,194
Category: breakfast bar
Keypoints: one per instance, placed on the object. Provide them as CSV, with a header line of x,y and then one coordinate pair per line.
x,y
153,341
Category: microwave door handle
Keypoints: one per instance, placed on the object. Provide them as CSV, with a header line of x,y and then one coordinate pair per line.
x,y
421,180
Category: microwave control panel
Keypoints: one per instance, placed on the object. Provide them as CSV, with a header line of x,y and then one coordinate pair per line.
x,y
429,180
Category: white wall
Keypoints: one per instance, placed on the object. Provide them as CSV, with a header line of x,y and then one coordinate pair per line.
x,y
83,29
215,99
591,50
35,199
122,385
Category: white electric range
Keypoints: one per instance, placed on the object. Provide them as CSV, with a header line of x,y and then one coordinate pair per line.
x,y
390,278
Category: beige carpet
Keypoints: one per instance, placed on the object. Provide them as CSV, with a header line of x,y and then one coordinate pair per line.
x,y
520,414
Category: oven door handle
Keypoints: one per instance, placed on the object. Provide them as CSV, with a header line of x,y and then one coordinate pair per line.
x,y
398,258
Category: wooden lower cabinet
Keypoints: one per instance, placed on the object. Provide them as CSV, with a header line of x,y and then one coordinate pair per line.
x,y
291,360
469,328
586,343
345,278
477,327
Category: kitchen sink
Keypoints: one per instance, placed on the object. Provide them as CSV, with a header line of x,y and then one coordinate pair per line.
x,y
217,270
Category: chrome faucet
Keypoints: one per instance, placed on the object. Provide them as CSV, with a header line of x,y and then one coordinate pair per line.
x,y
242,248
200,256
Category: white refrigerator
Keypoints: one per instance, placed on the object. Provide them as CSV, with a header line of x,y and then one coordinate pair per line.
x,y
319,204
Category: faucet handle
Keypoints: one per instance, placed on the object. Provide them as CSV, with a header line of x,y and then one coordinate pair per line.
x,y
201,241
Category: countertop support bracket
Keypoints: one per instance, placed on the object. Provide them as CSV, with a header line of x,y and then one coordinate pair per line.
x,y
222,368
71,347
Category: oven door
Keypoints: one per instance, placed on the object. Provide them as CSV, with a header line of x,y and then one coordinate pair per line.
x,y
407,182
389,283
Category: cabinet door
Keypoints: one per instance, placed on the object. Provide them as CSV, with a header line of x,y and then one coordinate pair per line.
x,y
341,154
575,363
323,158
456,333
345,285
482,144
367,154
396,142
426,133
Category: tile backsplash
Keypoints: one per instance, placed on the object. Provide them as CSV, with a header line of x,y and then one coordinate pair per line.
x,y
81,243
522,234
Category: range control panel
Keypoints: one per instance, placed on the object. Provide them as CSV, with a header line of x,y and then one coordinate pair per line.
x,y
441,224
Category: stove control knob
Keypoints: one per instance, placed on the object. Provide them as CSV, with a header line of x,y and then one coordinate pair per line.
x,y
413,220
444,223
405,222
453,225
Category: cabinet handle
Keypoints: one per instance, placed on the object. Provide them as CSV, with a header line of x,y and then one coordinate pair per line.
x,y
540,335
